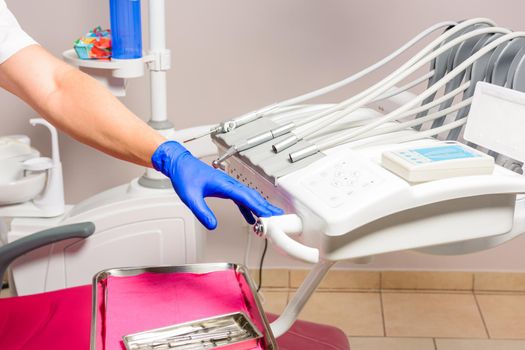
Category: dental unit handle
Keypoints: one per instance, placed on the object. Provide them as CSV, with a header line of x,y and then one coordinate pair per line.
x,y
55,154
278,228
51,201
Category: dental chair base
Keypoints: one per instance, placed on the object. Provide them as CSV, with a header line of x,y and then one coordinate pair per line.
x,y
136,226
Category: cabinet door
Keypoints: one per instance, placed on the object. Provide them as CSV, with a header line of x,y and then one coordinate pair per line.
x,y
138,244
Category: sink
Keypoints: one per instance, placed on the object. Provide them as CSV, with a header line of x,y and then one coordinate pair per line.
x,y
16,147
22,189
15,185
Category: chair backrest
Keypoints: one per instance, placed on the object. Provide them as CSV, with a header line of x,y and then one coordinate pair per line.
x,y
13,250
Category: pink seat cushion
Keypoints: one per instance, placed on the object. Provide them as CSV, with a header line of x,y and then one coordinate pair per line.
x,y
55,320
308,335
61,320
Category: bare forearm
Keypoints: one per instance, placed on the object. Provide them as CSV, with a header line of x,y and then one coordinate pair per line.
x,y
80,106
89,113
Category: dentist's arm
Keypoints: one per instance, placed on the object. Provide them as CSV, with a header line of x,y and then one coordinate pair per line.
x,y
78,105
81,107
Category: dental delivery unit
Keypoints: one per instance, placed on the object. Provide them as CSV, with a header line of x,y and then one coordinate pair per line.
x,y
438,171
355,182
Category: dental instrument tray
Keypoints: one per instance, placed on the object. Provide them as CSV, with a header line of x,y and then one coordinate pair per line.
x,y
151,308
231,331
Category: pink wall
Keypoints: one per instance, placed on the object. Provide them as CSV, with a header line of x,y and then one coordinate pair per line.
x,y
231,56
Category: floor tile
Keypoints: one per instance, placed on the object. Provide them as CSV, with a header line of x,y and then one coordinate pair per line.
x,y
440,280
341,279
5,293
272,278
479,344
504,315
498,293
428,291
499,281
432,315
354,313
382,343
274,302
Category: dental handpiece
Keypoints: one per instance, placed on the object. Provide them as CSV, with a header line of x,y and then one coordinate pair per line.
x,y
253,142
229,125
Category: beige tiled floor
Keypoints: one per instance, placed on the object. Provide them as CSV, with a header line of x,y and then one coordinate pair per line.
x,y
354,313
504,315
432,315
383,343
494,281
274,302
413,320
421,318
478,344
424,280
5,293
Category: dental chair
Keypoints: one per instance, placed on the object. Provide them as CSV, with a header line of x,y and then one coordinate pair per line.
x,y
61,319
323,164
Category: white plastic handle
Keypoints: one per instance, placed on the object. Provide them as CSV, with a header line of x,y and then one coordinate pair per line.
x,y
278,228
55,155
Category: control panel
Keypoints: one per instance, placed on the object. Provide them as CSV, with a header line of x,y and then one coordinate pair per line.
x,y
338,183
440,161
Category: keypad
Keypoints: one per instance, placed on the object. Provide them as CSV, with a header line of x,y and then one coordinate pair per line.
x,y
413,157
338,183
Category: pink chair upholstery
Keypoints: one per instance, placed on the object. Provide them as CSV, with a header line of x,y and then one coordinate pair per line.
x,y
55,320
306,335
61,320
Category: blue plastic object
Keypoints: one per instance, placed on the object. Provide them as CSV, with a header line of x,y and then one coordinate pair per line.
x,y
126,29
194,180
436,154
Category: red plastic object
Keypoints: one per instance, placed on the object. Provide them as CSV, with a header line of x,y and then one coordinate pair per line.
x,y
306,335
54,320
61,321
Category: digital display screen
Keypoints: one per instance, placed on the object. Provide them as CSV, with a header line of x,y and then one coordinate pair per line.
x,y
436,154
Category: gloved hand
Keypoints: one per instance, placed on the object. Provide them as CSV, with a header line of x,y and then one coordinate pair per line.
x,y
193,180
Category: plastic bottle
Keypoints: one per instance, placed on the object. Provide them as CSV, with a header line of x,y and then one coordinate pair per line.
x,y
126,32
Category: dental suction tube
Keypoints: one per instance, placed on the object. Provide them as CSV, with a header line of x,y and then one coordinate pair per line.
x,y
230,125
434,88
259,139
326,118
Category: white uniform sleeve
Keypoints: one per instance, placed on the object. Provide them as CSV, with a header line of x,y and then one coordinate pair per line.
x,y
12,37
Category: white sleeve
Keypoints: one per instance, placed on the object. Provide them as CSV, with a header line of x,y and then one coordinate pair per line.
x,y
12,37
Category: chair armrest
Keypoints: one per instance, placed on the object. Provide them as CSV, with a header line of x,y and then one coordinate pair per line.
x,y
13,250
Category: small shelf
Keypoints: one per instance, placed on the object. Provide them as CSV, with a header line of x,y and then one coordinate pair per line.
x,y
131,68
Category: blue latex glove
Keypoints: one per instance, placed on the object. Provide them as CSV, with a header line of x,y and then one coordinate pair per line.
x,y
193,180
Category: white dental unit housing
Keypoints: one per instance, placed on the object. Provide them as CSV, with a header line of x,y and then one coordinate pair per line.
x,y
355,183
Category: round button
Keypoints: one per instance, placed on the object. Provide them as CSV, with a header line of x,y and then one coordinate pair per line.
x,y
339,173
337,183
